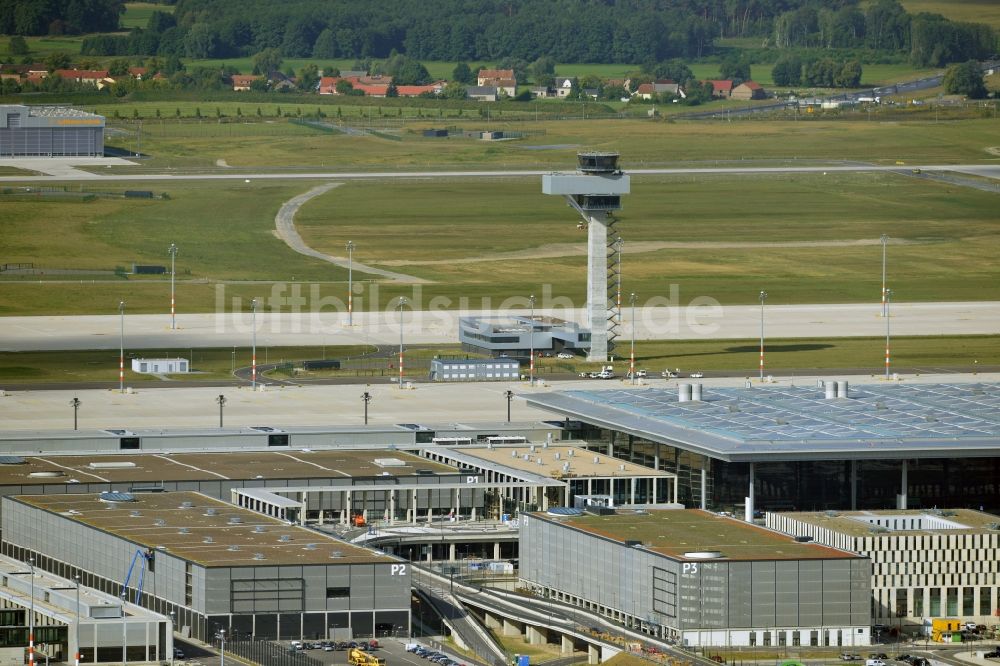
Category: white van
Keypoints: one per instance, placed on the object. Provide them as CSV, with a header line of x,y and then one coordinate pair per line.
x,y
874,662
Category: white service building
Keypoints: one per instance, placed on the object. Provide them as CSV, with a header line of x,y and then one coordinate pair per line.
x,y
160,366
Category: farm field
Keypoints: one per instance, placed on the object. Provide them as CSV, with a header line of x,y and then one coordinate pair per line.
x,y
732,356
973,11
804,238
137,14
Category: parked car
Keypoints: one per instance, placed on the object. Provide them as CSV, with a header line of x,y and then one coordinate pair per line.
x,y
564,355
994,654
668,374
846,656
697,375
638,373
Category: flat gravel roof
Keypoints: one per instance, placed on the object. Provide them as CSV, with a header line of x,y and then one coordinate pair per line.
x,y
798,422
859,523
149,469
679,533
203,530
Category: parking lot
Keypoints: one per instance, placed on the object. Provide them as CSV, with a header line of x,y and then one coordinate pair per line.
x,y
393,650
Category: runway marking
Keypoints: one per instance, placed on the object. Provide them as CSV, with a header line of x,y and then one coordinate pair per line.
x,y
197,469
74,469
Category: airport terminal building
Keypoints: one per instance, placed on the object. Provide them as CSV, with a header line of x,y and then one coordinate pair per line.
x,y
211,564
785,448
926,564
698,578
49,131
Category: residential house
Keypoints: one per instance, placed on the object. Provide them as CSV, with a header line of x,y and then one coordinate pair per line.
x,y
482,93
667,86
645,91
99,78
721,89
138,73
242,82
502,79
749,90
564,86
542,92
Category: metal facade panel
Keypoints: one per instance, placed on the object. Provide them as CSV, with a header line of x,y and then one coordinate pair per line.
x,y
740,594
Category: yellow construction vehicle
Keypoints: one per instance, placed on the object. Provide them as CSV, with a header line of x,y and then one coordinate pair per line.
x,y
358,657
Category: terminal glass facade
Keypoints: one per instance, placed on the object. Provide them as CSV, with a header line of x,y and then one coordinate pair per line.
x,y
811,485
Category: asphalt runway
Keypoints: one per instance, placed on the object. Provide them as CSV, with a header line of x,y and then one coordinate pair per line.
x,y
667,322
64,170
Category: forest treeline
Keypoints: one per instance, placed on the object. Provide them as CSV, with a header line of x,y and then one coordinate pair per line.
x,y
597,31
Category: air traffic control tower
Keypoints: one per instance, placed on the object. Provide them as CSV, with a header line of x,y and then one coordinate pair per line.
x,y
595,192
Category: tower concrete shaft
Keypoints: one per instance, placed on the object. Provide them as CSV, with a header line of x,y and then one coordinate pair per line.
x,y
597,286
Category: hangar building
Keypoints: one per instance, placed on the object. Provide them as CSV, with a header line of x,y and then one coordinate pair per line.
x,y
925,564
781,448
214,565
698,578
49,131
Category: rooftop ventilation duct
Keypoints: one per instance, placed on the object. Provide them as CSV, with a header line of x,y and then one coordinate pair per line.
x,y
211,512
696,392
683,393
842,390
258,556
258,528
310,546
284,538
186,505
235,520
830,390
336,554
597,460
184,530
233,548
208,539
570,452
159,522
557,455
135,514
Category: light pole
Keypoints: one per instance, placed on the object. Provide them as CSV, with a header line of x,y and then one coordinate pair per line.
x,y
124,630
366,397
763,297
888,297
31,614
222,403
253,343
510,396
121,348
76,631
531,342
75,402
402,302
631,360
350,283
222,649
173,312
885,308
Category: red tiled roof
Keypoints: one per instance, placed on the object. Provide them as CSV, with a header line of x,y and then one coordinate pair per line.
x,y
721,85
752,85
496,74
245,79
82,74
645,89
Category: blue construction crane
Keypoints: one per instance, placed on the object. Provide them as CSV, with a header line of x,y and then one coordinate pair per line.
x,y
144,557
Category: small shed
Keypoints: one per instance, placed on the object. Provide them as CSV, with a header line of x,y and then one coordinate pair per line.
x,y
160,366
